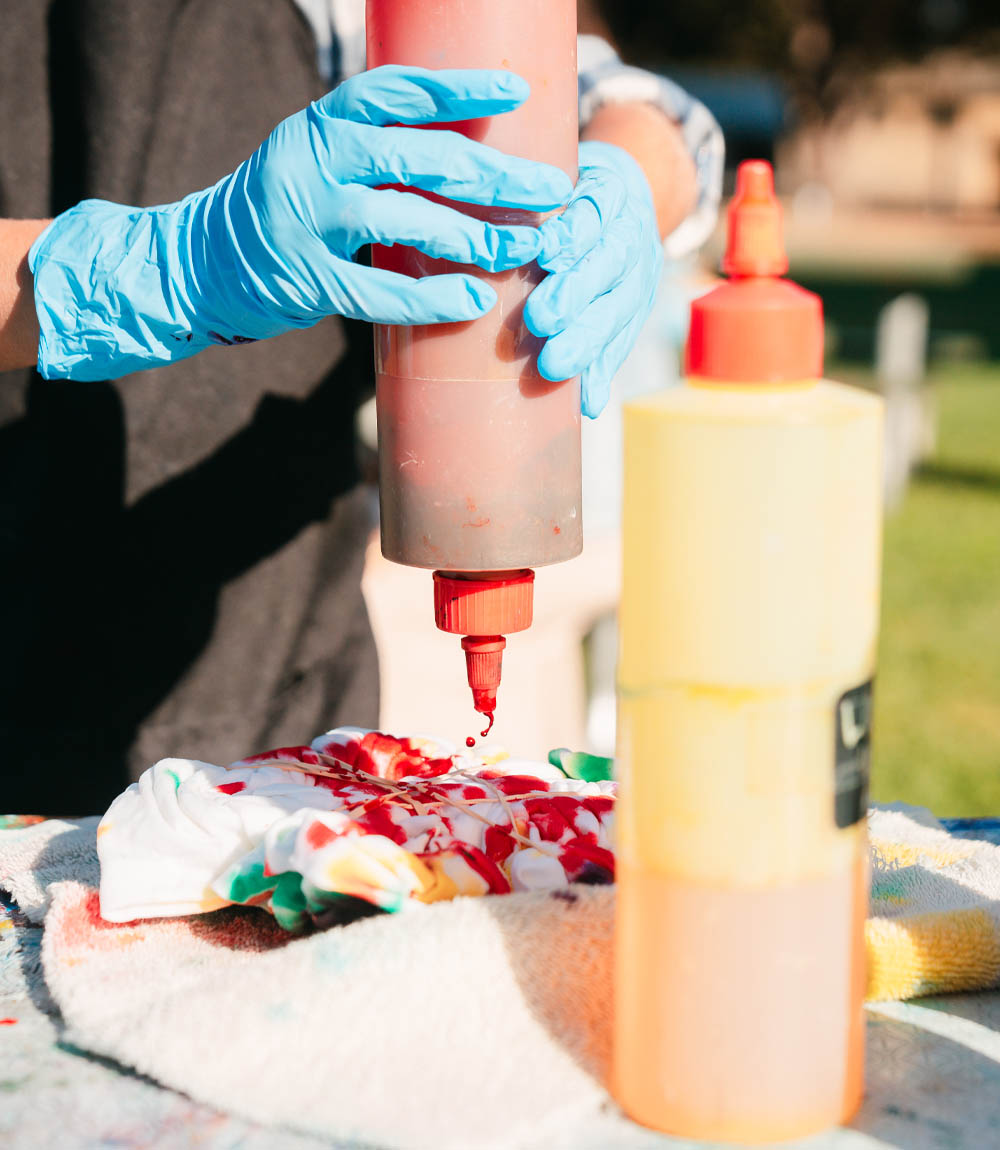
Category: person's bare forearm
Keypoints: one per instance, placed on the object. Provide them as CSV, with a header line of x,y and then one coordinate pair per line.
x,y
655,142
18,321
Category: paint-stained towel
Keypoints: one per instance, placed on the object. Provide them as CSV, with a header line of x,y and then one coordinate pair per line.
x,y
934,924
332,1032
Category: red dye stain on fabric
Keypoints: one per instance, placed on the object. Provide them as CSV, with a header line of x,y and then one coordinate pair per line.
x,y
301,754
8,1022
231,788
485,867
516,784
237,928
586,862
319,834
387,757
498,843
377,820
553,816
599,804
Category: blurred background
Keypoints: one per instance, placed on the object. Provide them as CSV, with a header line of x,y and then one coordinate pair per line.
x,y
882,118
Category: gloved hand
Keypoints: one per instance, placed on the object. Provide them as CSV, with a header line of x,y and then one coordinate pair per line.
x,y
270,247
603,256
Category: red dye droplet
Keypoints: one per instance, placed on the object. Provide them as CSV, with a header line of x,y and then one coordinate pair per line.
x,y
470,741
489,726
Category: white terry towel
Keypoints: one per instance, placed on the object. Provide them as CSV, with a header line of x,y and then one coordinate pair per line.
x,y
34,857
449,1029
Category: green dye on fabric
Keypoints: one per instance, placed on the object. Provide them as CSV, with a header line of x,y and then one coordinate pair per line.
x,y
288,903
251,882
580,765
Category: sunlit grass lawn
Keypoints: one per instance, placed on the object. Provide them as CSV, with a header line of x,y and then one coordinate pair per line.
x,y
937,710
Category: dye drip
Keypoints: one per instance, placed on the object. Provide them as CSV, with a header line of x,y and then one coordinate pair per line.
x,y
470,741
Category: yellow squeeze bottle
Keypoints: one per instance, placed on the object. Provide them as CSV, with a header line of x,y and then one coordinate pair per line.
x,y
749,617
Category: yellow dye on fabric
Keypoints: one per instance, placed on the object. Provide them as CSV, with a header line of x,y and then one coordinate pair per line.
x,y
942,951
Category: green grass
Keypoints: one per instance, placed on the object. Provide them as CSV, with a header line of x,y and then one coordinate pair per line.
x,y
937,709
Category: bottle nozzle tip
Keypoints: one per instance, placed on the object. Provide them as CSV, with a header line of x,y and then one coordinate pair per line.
x,y
484,664
755,181
755,244
485,701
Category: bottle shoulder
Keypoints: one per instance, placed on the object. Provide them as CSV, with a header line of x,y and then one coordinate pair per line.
x,y
822,401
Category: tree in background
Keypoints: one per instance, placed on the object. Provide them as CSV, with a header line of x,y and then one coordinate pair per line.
x,y
823,49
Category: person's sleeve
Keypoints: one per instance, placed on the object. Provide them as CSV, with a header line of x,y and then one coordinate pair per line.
x,y
338,27
604,79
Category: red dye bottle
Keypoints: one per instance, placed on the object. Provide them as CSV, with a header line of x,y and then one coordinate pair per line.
x,y
479,456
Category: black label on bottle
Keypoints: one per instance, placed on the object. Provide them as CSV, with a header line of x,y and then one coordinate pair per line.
x,y
853,724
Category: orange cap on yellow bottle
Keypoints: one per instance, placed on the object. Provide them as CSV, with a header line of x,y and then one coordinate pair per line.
x,y
756,328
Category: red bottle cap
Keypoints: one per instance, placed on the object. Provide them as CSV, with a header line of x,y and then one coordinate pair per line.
x,y
483,602
483,606
756,328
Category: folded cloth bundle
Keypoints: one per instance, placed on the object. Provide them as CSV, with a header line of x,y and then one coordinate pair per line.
x,y
354,823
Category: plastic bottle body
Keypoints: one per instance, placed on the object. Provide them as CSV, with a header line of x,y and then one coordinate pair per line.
x,y
749,621
479,457
478,475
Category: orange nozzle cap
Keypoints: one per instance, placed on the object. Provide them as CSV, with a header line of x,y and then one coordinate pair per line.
x,y
756,327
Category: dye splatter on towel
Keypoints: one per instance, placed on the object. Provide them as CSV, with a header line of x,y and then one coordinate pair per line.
x,y
934,922
356,823
15,822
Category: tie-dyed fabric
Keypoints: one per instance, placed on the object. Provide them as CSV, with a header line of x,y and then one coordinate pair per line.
x,y
356,823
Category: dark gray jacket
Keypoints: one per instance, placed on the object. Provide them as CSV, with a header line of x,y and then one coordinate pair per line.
x,y
180,551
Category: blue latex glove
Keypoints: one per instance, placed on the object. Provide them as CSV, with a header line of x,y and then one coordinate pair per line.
x,y
604,256
271,247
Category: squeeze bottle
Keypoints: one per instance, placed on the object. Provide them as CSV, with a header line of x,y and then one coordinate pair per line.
x,y
479,456
749,616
